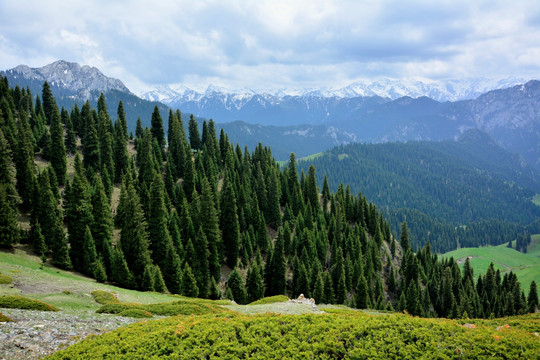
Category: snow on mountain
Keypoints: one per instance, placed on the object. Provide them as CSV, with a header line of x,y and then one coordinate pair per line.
x,y
449,90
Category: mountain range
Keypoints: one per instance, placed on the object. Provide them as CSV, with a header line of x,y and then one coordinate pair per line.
x,y
310,121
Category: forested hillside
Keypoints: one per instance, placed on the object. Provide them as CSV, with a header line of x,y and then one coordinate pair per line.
x,y
196,215
465,193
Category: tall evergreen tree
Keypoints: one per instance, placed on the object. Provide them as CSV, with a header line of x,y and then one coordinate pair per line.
x,y
89,253
24,163
229,224
236,284
133,234
404,237
122,122
210,225
532,300
49,104
58,150
157,129
9,225
189,283
194,136
254,284
276,269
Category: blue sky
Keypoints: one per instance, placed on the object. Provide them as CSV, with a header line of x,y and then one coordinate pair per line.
x,y
275,44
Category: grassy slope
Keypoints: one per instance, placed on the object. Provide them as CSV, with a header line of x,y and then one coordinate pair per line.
x,y
525,266
64,289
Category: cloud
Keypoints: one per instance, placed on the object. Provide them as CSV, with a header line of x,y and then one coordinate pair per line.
x,y
263,44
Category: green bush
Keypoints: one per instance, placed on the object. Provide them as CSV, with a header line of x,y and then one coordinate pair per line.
x,y
117,308
4,279
270,300
21,302
314,336
104,297
4,318
182,308
135,313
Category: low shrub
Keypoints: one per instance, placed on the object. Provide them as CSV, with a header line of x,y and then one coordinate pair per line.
x,y
4,279
21,302
4,318
182,308
270,300
314,336
135,313
117,308
104,297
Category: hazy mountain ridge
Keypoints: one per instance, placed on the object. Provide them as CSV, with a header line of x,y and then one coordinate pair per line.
x,y
81,80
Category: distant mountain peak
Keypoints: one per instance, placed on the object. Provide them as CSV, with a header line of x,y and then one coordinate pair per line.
x,y
70,76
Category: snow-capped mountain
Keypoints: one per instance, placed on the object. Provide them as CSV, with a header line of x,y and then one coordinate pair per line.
x,y
71,77
449,90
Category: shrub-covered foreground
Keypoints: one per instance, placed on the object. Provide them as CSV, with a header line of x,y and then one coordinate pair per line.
x,y
167,309
325,336
21,302
270,300
104,297
5,279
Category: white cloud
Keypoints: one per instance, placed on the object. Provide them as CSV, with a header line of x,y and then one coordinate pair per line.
x,y
262,44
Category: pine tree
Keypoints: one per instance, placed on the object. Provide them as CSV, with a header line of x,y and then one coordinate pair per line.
x,y
133,234
362,296
89,255
37,239
120,270
122,122
24,163
70,141
100,273
404,237
214,292
328,289
58,150
229,224
9,225
189,284
157,129
102,226
78,215
160,239
194,137
91,148
49,104
159,283
276,269
254,284
147,282
236,284
532,300
210,226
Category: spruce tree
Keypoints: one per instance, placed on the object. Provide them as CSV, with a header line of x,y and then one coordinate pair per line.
x,y
236,284
404,237
194,136
89,255
120,270
210,226
70,141
362,296
37,239
276,269
189,283
102,226
160,239
159,283
157,129
100,272
90,148
532,299
133,234
122,122
214,292
9,225
147,282
58,150
24,163
49,104
254,284
229,224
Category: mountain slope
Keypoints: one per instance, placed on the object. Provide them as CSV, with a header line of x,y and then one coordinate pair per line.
x,y
438,186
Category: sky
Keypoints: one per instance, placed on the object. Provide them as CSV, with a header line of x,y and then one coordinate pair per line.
x,y
275,44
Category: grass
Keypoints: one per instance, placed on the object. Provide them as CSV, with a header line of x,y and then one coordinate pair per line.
x,y
525,266
270,300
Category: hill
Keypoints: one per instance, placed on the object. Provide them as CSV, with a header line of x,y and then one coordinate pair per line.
x,y
525,266
437,186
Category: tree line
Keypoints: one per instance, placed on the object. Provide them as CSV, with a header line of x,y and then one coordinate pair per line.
x,y
199,216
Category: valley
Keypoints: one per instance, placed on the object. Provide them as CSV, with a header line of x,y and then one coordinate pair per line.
x,y
180,222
